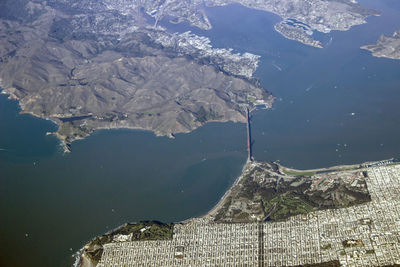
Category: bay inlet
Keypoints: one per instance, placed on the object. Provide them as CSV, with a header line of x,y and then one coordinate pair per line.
x,y
337,105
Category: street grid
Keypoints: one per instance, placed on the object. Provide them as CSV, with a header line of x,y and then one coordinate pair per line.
x,y
362,235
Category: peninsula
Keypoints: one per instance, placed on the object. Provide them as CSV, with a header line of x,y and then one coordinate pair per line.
x,y
271,216
301,18
89,65
387,46
274,216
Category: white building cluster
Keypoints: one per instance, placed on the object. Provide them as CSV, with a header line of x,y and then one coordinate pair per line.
x,y
363,235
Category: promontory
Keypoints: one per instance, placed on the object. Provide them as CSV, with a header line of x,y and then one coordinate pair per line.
x,y
89,65
387,46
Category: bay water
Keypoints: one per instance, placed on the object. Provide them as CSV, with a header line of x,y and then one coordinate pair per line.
x,y
337,105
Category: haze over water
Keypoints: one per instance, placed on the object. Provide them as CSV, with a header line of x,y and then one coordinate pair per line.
x,y
337,98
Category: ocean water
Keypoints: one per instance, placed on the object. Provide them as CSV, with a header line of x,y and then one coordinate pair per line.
x,y
337,105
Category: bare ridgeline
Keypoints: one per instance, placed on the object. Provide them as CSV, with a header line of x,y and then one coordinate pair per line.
x,y
355,224
387,46
89,65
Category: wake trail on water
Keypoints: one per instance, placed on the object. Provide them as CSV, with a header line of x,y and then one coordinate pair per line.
x,y
329,42
277,67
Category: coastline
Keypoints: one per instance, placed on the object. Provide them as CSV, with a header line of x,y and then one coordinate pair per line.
x,y
66,145
226,194
377,54
266,71
83,260
336,168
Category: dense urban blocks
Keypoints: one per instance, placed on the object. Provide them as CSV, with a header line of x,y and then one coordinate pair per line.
x,y
367,234
151,230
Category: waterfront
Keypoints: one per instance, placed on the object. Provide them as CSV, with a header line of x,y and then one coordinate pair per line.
x,y
336,105
352,236
344,111
52,203
61,201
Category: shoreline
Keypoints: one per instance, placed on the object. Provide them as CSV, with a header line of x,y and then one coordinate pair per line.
x,y
82,260
343,167
67,145
225,195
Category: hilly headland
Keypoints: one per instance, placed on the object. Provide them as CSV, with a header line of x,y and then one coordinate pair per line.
x,y
90,65
89,69
386,46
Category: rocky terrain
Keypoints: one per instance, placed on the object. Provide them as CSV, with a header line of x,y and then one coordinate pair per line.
x,y
91,65
88,66
268,192
387,46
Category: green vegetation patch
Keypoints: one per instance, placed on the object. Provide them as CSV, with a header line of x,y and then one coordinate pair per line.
x,y
242,216
252,99
140,231
203,115
222,211
370,251
265,195
352,243
327,246
284,206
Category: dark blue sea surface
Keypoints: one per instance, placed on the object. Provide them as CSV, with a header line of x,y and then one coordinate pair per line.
x,y
337,105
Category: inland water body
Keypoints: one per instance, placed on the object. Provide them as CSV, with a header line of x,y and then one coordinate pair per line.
x,y
337,105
